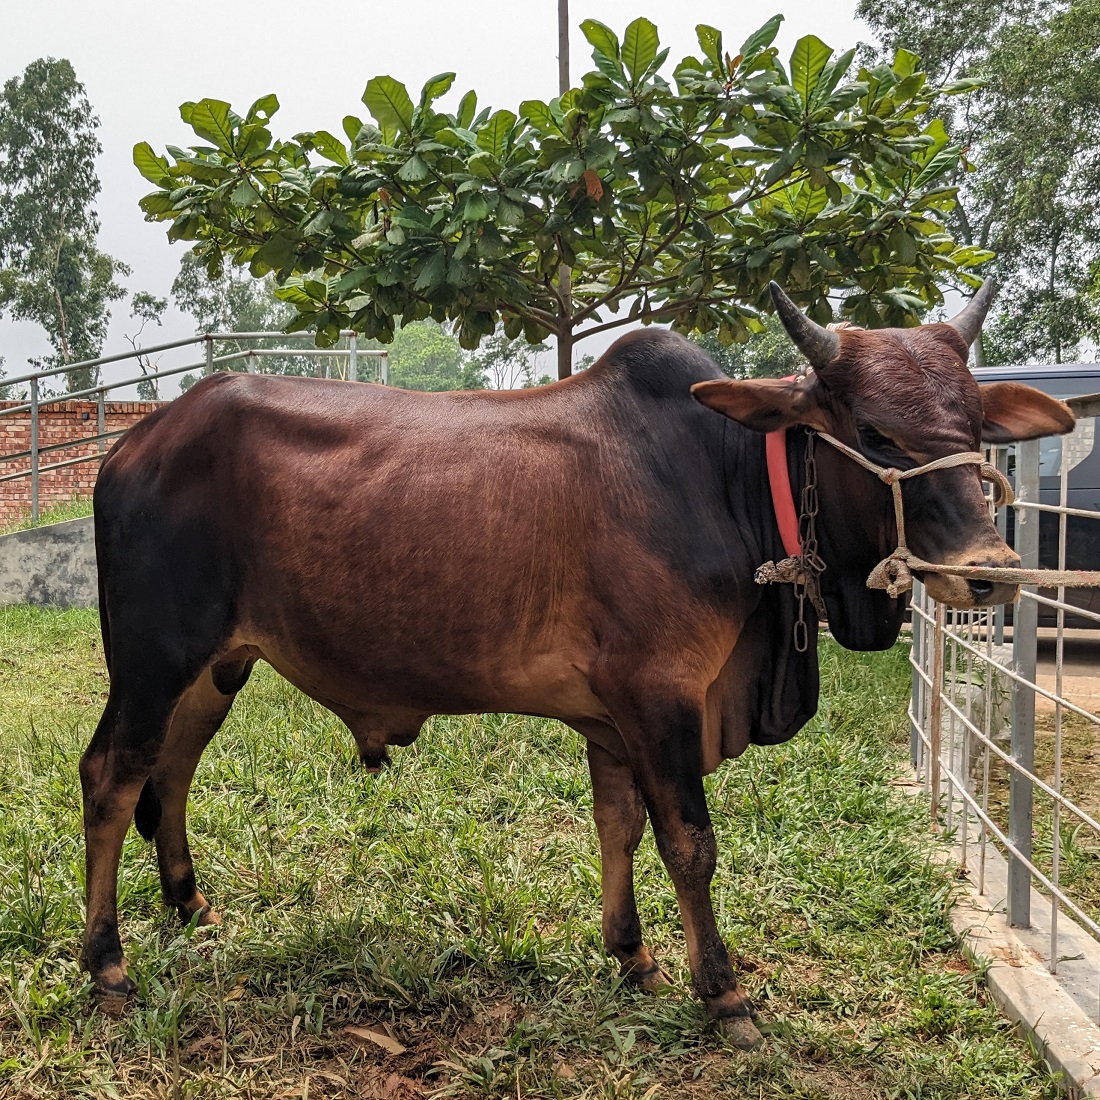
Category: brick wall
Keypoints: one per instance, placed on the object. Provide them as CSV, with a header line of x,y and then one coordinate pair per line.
x,y
57,423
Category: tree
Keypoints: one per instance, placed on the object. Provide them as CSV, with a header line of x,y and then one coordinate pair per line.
x,y
51,271
1033,136
769,354
235,302
665,201
423,356
149,310
508,364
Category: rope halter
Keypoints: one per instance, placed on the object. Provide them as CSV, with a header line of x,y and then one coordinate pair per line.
x,y
894,573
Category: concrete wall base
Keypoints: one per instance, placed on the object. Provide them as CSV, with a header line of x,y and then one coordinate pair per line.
x,y
51,566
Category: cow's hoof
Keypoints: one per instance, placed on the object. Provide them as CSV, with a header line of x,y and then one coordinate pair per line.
x,y
653,980
740,1031
112,996
199,912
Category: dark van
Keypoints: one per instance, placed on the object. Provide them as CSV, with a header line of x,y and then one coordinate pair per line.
x,y
1066,381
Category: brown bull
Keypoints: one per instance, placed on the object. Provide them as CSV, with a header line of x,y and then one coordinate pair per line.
x,y
584,551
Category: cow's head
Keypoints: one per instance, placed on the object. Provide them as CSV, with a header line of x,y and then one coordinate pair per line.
x,y
902,397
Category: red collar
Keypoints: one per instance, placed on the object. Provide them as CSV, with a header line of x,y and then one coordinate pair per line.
x,y
779,480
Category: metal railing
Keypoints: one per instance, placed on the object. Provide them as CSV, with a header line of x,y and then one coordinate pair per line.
x,y
344,362
1004,774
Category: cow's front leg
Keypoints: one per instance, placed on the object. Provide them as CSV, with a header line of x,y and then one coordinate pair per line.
x,y
665,743
620,815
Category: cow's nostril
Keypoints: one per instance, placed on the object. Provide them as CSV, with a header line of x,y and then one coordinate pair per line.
x,y
981,590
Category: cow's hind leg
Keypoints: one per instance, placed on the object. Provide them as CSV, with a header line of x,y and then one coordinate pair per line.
x,y
162,808
664,739
113,770
620,820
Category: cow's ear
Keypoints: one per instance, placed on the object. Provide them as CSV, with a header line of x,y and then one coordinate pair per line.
x,y
1013,412
765,404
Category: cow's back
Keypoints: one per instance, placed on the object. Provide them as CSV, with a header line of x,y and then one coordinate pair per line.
x,y
464,550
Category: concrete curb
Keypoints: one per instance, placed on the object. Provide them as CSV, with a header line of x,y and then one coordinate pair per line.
x,y
50,566
1027,993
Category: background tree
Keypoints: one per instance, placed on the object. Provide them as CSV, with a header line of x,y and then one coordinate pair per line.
x,y
51,271
509,364
234,302
423,356
1033,136
666,201
149,310
769,354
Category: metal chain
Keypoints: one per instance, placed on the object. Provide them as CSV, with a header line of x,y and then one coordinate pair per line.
x,y
810,565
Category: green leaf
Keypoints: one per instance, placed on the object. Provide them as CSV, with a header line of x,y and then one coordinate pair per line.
x,y
263,109
640,45
903,246
905,63
810,57
330,147
352,126
244,194
539,115
157,203
209,118
467,108
434,88
710,42
152,167
389,103
433,273
957,87
414,170
494,136
602,38
761,39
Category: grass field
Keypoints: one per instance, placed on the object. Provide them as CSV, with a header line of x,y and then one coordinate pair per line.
x,y
77,508
454,900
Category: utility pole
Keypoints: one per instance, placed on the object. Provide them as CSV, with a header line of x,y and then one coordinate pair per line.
x,y
565,275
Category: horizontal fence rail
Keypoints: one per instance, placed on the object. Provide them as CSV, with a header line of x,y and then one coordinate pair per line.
x,y
1003,739
41,390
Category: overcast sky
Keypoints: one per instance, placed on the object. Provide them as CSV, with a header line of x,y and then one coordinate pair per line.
x,y
140,61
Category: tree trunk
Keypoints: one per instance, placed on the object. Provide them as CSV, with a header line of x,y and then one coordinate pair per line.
x,y
979,350
565,352
565,276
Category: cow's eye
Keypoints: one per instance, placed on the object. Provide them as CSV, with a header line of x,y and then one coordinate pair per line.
x,y
874,440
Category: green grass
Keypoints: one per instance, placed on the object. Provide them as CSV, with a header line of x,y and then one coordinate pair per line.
x,y
455,898
77,508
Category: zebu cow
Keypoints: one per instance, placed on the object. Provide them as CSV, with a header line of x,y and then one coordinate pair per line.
x,y
584,551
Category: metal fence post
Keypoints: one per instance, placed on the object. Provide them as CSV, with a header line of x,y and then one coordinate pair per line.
x,y
385,368
1000,460
935,726
1025,623
34,450
917,689
353,358
209,369
101,418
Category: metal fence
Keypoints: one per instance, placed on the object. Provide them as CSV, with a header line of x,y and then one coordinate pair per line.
x,y
41,389
1000,738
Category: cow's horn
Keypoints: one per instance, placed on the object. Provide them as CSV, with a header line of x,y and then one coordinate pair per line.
x,y
818,344
968,323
